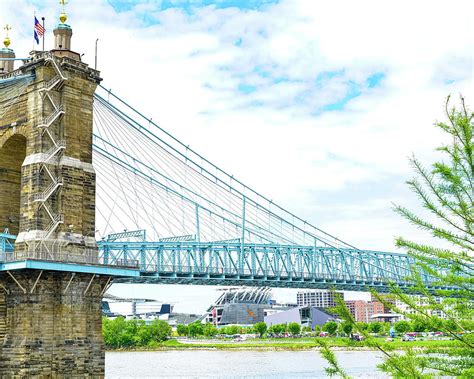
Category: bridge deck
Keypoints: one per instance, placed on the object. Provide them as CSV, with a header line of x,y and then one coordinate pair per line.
x,y
105,270
229,263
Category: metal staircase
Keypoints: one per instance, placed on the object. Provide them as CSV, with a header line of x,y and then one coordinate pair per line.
x,y
50,128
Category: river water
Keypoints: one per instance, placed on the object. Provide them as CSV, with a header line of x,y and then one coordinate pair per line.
x,y
236,364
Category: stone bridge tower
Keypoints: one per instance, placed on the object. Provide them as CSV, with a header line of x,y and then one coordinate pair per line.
x,y
50,320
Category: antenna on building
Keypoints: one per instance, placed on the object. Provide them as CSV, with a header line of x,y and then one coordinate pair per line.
x,y
97,40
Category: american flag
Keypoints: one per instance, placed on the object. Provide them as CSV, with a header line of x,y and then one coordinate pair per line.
x,y
39,28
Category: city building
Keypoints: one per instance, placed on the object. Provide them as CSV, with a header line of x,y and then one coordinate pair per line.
x,y
317,298
145,309
404,309
305,316
243,306
364,310
114,306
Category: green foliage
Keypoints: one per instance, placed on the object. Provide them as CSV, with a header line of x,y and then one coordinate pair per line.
x,y
375,327
210,330
386,326
306,329
330,327
418,326
277,329
260,328
159,330
446,191
346,328
294,328
402,327
231,329
182,330
195,329
317,328
120,333
362,326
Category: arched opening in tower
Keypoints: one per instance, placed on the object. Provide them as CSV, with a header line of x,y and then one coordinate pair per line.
x,y
12,155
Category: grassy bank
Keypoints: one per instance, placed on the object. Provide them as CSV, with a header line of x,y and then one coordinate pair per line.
x,y
288,344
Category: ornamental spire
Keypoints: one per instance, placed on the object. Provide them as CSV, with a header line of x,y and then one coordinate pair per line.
x,y
63,15
7,41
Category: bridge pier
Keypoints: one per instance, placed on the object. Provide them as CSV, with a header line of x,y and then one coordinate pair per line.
x,y
51,324
50,321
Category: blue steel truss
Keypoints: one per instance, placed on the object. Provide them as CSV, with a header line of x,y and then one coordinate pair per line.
x,y
222,263
234,263
7,242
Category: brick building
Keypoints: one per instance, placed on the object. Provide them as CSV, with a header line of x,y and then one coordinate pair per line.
x,y
363,310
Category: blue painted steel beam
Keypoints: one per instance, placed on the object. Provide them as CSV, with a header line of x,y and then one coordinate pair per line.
x,y
236,263
232,263
70,267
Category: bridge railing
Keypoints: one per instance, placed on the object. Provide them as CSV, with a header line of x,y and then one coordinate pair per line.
x,y
55,251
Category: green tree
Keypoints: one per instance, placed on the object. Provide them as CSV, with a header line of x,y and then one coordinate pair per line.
x,y
386,326
401,327
120,333
142,333
210,330
117,334
277,329
248,330
234,329
418,326
347,328
362,326
195,329
182,330
294,328
159,330
330,327
260,328
375,327
446,191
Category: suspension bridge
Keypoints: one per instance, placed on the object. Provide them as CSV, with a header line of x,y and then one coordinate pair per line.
x,y
92,192
184,220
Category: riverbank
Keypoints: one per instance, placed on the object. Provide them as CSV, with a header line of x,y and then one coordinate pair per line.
x,y
286,344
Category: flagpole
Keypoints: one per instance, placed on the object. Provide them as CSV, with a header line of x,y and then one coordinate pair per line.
x,y
44,32
34,17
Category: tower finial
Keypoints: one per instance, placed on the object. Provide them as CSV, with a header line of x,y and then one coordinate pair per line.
x,y
63,15
6,41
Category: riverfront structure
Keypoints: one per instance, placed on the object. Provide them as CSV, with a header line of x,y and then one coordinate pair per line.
x,y
50,321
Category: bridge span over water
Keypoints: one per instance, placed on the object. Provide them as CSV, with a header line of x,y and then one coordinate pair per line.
x,y
203,226
78,164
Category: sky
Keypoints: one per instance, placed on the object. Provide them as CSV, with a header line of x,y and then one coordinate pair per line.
x,y
317,104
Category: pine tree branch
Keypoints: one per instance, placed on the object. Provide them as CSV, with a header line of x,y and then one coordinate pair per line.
x,y
442,255
437,232
466,172
428,179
